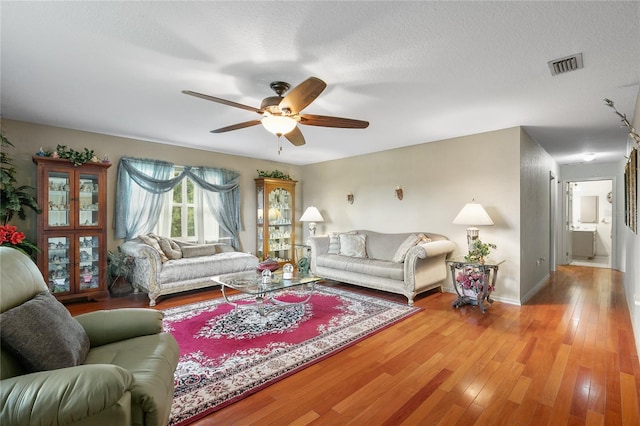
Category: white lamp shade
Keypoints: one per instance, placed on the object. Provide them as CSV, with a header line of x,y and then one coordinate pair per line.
x,y
278,125
473,214
311,214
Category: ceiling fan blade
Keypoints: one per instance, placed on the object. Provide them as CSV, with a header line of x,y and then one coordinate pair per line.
x,y
302,95
237,126
295,137
327,121
221,101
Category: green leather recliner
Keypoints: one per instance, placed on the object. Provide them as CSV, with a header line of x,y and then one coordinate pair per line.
x,y
126,378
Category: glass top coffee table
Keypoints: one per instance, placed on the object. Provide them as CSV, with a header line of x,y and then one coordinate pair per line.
x,y
264,294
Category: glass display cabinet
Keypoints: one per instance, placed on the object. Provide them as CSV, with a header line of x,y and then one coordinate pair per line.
x,y
72,227
275,219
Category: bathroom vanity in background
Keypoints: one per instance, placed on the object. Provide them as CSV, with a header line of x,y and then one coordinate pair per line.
x,y
584,242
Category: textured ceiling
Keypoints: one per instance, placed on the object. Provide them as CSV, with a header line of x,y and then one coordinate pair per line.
x,y
417,71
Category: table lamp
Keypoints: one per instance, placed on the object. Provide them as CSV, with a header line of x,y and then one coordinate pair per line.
x,y
472,214
311,215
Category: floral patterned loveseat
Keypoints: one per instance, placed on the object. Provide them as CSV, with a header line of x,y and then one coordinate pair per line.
x,y
165,266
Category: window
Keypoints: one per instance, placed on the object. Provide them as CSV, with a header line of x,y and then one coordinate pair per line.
x,y
205,205
186,215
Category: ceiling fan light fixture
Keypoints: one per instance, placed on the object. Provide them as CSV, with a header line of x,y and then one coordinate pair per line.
x,y
278,125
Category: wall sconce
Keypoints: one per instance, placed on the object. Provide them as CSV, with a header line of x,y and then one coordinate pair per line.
x,y
399,193
350,198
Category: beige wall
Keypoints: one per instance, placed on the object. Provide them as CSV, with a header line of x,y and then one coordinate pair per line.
x,y
28,138
437,178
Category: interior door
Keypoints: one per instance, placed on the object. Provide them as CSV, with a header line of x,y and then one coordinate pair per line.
x,y
568,202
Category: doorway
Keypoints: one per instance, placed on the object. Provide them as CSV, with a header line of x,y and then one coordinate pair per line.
x,y
590,223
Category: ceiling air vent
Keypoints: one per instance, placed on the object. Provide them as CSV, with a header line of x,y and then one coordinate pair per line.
x,y
564,65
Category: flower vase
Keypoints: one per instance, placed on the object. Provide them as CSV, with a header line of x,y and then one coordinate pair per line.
x,y
468,292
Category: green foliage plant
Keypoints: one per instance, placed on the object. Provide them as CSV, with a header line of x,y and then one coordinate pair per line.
x,y
119,264
276,174
78,158
14,200
479,251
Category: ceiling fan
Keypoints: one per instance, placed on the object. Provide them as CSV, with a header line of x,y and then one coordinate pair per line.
x,y
280,115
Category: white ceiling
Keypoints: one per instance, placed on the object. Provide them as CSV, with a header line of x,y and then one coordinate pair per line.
x,y
417,71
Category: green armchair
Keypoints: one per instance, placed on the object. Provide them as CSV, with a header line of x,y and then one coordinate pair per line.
x,y
123,364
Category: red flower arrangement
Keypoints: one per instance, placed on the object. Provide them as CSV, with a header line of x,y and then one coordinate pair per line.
x,y
10,236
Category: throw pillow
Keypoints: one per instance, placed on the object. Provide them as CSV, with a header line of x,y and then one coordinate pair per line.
x,y
334,241
170,248
224,248
197,250
353,245
153,242
42,334
424,239
402,250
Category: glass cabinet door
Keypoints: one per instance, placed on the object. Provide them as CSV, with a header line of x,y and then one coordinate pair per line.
x,y
88,206
88,261
59,261
59,200
280,244
260,223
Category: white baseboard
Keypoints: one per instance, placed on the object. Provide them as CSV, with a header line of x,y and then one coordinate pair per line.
x,y
535,289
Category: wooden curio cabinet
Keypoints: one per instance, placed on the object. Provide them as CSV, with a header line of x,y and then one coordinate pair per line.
x,y
275,219
72,227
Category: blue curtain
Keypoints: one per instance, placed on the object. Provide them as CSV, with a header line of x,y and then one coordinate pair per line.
x,y
138,206
222,193
140,185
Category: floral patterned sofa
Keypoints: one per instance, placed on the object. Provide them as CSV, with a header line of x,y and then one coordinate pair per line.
x,y
164,266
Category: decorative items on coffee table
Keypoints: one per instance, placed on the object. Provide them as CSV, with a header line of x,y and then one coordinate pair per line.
x,y
265,286
268,263
72,227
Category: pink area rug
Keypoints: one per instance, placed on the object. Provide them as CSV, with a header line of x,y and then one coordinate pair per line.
x,y
227,354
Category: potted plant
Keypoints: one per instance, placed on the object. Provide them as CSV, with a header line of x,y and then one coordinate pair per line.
x,y
14,200
478,251
119,272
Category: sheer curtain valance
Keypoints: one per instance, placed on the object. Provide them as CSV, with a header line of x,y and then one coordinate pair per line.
x,y
141,184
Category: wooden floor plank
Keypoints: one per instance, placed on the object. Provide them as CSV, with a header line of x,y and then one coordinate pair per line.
x,y
566,357
630,412
552,386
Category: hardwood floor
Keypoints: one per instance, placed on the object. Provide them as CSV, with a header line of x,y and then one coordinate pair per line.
x,y
566,358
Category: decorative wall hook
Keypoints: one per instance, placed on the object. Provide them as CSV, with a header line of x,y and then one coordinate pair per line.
x,y
350,198
399,193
